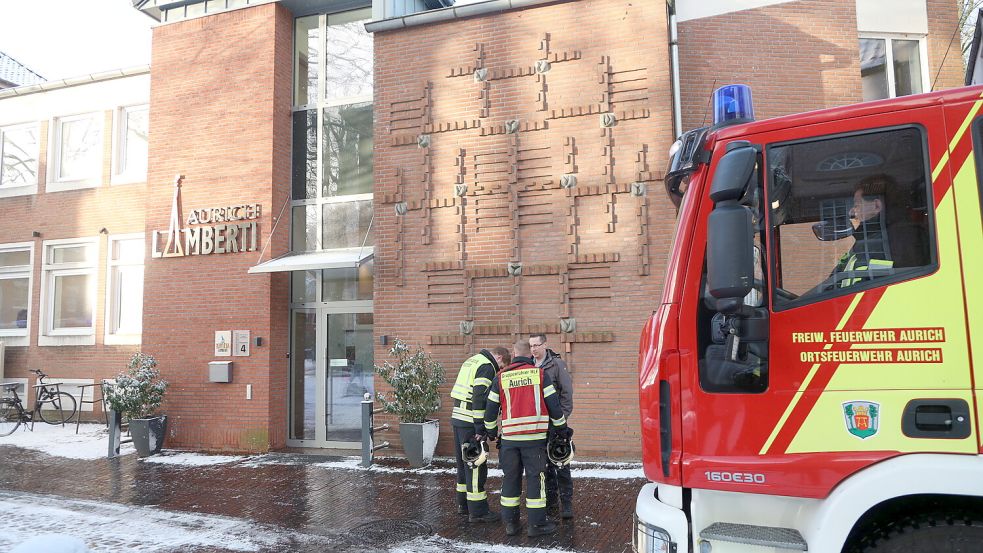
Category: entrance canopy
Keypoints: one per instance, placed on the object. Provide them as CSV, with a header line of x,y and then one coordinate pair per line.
x,y
309,261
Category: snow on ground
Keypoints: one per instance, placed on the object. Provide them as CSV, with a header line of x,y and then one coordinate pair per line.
x,y
189,459
113,528
577,469
437,544
91,442
110,527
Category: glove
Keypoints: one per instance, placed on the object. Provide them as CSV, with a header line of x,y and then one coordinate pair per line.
x,y
563,433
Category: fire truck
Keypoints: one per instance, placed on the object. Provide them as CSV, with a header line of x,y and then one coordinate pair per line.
x,y
810,380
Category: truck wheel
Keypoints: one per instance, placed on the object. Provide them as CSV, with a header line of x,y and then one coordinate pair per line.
x,y
960,532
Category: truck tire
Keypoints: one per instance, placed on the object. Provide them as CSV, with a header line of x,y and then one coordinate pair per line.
x,y
953,532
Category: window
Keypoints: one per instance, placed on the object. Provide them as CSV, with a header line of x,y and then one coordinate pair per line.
x,y
332,161
68,291
891,67
16,261
131,144
77,149
124,289
839,228
19,154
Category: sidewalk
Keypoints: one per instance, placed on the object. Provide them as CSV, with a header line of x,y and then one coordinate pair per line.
x,y
287,502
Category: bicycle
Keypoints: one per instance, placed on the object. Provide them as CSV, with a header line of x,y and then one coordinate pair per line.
x,y
51,406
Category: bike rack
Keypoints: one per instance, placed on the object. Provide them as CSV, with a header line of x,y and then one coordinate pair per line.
x,y
368,431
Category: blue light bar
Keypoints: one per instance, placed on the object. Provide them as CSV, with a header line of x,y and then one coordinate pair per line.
x,y
732,104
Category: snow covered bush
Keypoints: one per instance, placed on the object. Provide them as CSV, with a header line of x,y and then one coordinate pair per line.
x,y
415,378
139,390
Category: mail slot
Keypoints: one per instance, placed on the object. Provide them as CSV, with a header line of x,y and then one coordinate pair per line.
x,y
220,371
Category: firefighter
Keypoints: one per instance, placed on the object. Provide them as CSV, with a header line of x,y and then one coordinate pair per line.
x,y
469,394
870,251
525,394
558,479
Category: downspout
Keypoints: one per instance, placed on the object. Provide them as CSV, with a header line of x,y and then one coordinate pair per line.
x,y
677,116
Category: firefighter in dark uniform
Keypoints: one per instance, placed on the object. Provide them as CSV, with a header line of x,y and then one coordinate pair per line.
x,y
529,406
469,393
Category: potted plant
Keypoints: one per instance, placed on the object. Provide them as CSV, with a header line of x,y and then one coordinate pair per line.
x,y
415,378
136,396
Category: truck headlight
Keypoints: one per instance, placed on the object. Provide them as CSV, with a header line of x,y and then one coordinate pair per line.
x,y
651,539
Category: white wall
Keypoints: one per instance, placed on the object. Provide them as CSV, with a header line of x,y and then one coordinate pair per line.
x,y
98,96
695,9
893,16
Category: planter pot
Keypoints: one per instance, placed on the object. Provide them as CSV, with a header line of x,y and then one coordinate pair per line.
x,y
148,435
419,441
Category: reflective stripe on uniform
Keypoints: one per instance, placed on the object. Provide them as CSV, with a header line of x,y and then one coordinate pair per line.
x,y
486,382
462,389
536,503
491,425
510,501
523,420
478,496
525,437
548,391
851,266
493,396
462,487
525,428
559,422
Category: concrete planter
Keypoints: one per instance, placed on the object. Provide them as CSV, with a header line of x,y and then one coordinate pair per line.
x,y
148,434
419,441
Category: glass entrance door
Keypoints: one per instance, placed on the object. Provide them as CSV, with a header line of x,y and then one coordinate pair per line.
x,y
347,375
330,372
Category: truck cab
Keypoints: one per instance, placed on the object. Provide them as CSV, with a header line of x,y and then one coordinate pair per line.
x,y
809,380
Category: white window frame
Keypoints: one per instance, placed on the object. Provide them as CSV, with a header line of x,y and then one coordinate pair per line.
x,y
27,189
56,184
113,336
83,336
19,336
120,130
889,50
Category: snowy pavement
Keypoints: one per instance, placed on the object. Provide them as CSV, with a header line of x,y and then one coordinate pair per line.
x,y
53,480
108,527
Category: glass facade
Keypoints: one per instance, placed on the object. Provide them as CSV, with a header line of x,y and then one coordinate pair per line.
x,y
332,186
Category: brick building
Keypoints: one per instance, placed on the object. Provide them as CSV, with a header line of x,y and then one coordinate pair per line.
x,y
307,180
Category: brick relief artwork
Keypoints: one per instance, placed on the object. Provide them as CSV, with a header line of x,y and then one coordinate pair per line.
x,y
523,168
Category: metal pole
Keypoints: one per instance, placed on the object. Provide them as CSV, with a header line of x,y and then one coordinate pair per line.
x,y
115,421
368,431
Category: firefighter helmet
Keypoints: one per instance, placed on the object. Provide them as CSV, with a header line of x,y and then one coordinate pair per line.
x,y
474,452
560,451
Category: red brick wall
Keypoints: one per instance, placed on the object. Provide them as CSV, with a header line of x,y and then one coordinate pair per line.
x,y
944,48
71,214
220,115
595,252
796,56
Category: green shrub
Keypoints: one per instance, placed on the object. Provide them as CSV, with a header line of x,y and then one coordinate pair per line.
x,y
415,378
139,390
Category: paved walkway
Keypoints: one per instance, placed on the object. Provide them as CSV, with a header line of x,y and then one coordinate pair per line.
x,y
303,503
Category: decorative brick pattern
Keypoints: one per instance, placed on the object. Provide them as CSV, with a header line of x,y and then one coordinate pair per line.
x,y
538,104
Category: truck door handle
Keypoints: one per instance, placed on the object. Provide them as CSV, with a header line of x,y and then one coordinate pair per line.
x,y
936,418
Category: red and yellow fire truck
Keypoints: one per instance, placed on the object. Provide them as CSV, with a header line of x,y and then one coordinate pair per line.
x,y
811,377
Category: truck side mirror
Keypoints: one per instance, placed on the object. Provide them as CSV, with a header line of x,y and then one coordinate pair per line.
x,y
730,232
730,253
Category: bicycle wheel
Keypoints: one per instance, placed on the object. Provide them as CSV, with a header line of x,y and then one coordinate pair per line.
x,y
9,418
58,408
